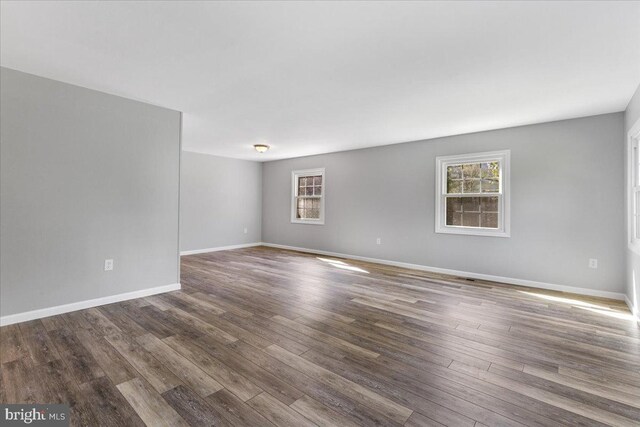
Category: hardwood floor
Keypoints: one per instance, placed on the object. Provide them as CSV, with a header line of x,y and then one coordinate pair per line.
x,y
262,336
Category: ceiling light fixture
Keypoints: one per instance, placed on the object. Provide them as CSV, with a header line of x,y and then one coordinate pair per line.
x,y
261,148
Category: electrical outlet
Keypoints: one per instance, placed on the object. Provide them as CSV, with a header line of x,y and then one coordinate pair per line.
x,y
108,264
378,241
593,263
246,230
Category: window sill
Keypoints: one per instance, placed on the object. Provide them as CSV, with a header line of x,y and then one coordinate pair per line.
x,y
307,221
472,231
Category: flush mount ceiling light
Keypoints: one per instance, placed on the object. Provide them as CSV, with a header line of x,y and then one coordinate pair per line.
x,y
261,148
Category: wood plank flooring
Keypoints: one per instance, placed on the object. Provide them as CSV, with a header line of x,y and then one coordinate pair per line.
x,y
263,337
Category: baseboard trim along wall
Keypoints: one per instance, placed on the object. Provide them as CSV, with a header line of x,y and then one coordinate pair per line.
x,y
509,280
634,310
220,248
81,305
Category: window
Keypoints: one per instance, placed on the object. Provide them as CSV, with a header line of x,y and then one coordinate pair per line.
x,y
633,172
472,194
307,201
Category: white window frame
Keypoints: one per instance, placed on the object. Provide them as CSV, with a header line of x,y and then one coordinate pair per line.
x,y
633,186
504,218
294,195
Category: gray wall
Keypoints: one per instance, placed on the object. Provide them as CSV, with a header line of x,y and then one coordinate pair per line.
x,y
219,198
85,176
566,204
632,115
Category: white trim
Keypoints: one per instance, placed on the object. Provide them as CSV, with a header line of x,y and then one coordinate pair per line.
x,y
633,309
307,172
508,280
219,248
632,135
81,305
504,157
179,194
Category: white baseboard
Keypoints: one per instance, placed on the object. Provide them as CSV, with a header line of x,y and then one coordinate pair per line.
x,y
81,305
509,280
220,248
634,310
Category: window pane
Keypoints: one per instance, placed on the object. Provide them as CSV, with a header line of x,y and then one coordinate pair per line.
x,y
299,209
490,170
471,186
491,185
310,186
454,211
490,173
308,196
471,170
454,186
454,172
470,219
489,204
454,218
489,220
308,208
454,204
473,193
471,204
302,207
472,211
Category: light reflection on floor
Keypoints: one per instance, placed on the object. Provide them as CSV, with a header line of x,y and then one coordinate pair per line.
x,y
342,265
583,305
610,313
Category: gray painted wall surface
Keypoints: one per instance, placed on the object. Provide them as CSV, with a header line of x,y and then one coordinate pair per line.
x,y
219,198
632,115
566,204
85,176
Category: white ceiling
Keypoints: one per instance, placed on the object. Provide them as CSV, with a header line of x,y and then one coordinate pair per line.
x,y
317,77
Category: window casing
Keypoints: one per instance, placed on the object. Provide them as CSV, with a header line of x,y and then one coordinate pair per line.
x,y
633,188
472,194
307,196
